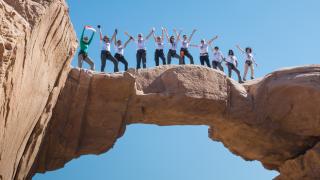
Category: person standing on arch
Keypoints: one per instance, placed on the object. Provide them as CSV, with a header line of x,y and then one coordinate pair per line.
x,y
141,55
119,55
173,41
159,54
106,50
249,62
203,47
84,45
232,64
217,58
184,47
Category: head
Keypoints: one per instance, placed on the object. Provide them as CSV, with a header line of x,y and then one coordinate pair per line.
x,y
140,36
119,42
172,39
86,39
185,37
106,39
203,41
159,39
216,48
248,50
231,53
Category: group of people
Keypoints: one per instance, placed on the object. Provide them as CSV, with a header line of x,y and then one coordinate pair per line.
x,y
173,41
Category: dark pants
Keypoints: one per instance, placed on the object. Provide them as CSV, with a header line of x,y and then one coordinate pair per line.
x,y
232,67
216,65
141,56
184,52
107,55
123,60
159,54
205,59
173,54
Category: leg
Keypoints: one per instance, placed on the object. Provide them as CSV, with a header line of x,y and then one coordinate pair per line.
x,y
144,59
156,57
252,71
229,70
115,62
214,65
169,57
220,67
163,58
238,74
138,57
90,62
246,66
125,62
80,60
202,60
207,61
189,56
175,55
182,55
103,61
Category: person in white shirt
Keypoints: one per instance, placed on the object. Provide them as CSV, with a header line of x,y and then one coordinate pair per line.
x,y
232,64
217,58
173,41
185,41
203,47
249,61
119,55
141,55
106,50
159,48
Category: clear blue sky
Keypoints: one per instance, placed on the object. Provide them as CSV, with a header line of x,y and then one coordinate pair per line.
x,y
282,33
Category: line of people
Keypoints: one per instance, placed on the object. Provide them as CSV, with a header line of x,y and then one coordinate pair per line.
x,y
173,40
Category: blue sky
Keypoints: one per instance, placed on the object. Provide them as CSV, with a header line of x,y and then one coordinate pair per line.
x,y
282,33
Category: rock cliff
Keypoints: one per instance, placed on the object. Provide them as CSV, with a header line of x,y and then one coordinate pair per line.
x,y
51,114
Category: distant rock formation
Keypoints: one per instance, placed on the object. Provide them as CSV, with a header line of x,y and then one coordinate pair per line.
x,y
275,120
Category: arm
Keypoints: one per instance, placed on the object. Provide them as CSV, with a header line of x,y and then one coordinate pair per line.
x,y
211,40
114,35
127,42
154,36
194,31
84,29
91,38
100,32
167,35
162,35
150,34
240,49
194,45
126,33
179,35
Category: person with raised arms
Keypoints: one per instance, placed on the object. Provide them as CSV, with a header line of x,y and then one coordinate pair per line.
x,y
106,50
232,64
119,55
159,48
141,55
249,61
84,45
173,41
203,47
184,47
218,58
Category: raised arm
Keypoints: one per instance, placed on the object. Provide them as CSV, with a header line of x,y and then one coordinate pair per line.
x,y
211,40
114,35
150,34
91,38
194,45
100,32
126,33
240,49
179,35
162,33
115,39
167,35
154,36
190,38
82,34
127,42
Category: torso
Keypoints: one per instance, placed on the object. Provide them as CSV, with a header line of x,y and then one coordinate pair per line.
x,y
217,56
203,48
185,44
141,44
106,46
159,45
120,50
232,60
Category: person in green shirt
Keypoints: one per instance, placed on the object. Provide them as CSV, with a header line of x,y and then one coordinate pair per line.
x,y
83,53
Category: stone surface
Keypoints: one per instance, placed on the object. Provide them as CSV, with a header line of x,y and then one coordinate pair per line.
x,y
262,120
37,42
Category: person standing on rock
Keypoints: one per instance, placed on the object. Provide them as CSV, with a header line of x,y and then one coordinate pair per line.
x,y
232,64
249,62
203,47
84,45
172,53
106,50
184,47
141,55
159,54
217,58
119,55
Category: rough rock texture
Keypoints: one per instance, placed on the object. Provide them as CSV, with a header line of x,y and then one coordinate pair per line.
x,y
274,120
37,42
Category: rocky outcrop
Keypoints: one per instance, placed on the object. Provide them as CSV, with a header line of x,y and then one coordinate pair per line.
x,y
37,42
273,120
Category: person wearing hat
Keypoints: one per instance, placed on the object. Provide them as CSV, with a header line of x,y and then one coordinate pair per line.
x,y
203,47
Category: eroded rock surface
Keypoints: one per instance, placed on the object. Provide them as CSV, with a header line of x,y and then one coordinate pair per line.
x,y
266,120
37,42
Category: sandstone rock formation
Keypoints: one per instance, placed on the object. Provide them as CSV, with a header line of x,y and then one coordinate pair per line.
x,y
273,120
37,42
